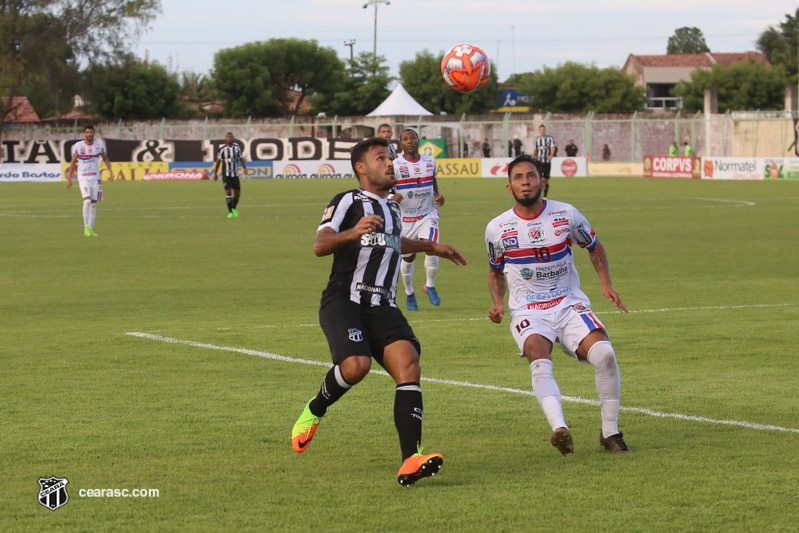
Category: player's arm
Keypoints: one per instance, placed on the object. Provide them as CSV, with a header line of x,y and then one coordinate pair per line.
x,y
243,164
437,196
71,169
411,246
599,258
108,166
329,241
552,149
216,168
496,286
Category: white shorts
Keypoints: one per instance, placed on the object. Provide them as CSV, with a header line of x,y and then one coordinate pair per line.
x,y
90,188
426,228
569,325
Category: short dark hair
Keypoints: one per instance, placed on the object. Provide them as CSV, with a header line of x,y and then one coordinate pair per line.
x,y
410,130
360,149
229,133
386,124
524,158
88,127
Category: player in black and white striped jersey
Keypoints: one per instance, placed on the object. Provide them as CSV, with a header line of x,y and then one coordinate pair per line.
x,y
385,131
362,228
230,156
543,152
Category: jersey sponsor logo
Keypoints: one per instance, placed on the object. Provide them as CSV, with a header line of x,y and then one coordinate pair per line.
x,y
536,234
510,233
540,306
556,213
511,224
510,242
581,308
355,335
382,291
583,236
560,222
492,253
552,273
404,173
554,292
561,231
410,194
328,214
380,239
526,273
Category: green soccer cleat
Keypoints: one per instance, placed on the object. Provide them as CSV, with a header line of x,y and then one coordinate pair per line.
x,y
92,233
230,215
235,213
87,231
304,429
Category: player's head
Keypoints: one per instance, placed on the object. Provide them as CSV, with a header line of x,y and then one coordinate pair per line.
x,y
372,163
88,132
542,130
524,180
384,131
409,142
229,138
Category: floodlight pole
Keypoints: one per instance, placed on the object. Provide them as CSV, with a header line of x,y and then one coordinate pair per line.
x,y
374,42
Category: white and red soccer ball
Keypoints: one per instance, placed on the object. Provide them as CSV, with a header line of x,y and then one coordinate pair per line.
x,y
465,68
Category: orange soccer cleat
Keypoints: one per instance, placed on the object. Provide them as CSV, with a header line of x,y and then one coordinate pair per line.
x,y
418,466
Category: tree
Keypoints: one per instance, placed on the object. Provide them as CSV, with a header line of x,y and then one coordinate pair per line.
x,y
422,79
257,79
577,88
741,86
131,89
687,40
364,87
779,45
43,37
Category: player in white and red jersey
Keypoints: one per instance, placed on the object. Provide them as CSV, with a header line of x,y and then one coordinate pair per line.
x,y
417,193
85,162
530,247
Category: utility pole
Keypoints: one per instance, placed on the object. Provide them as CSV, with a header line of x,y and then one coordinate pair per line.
x,y
374,43
350,43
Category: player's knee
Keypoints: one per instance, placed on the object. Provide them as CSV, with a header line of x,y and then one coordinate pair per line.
x,y
355,368
601,355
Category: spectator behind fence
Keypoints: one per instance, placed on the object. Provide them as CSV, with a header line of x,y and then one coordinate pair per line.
x,y
687,149
517,147
673,149
571,149
606,153
486,148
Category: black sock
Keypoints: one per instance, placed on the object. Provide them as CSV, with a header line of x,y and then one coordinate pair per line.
x,y
229,201
408,416
235,201
333,387
546,189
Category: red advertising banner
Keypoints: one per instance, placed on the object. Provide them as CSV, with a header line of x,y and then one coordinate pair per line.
x,y
160,176
663,166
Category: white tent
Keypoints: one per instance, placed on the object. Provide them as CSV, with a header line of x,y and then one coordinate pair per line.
x,y
399,102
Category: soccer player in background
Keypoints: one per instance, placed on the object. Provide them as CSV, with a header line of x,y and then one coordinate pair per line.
x,y
543,152
230,156
530,248
416,182
384,131
85,161
362,229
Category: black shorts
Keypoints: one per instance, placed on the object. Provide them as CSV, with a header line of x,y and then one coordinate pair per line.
x,y
231,182
545,169
353,329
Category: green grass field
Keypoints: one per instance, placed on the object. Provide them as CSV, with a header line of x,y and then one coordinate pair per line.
x,y
708,357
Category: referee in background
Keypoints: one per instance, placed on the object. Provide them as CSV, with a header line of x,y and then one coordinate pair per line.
x,y
230,156
543,152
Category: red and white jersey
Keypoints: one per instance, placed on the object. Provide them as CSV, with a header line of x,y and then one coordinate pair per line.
x,y
88,158
536,257
415,184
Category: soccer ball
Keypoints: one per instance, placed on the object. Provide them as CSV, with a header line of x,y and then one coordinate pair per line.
x,y
465,68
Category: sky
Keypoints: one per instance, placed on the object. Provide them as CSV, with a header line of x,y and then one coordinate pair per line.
x,y
518,35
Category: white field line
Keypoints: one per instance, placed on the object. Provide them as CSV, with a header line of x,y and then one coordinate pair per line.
x,y
278,357
428,321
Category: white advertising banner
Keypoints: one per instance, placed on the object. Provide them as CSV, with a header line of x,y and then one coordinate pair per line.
x,y
733,168
325,168
562,167
13,172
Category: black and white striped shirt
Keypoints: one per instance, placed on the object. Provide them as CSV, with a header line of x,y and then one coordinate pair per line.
x,y
364,271
543,147
230,157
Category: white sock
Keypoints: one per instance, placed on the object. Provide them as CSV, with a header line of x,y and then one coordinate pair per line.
x,y
92,213
547,392
406,269
608,385
431,268
86,207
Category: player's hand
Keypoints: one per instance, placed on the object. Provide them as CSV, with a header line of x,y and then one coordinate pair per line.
x,y
614,297
216,177
397,197
439,200
69,182
110,177
367,224
496,313
449,252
